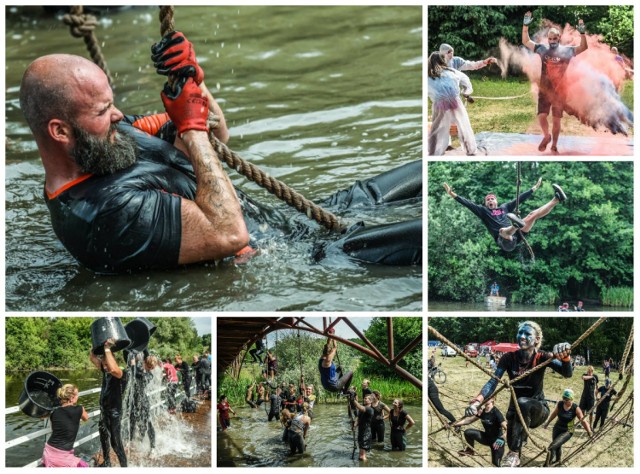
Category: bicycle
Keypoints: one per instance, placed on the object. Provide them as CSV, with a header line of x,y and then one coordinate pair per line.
x,y
437,374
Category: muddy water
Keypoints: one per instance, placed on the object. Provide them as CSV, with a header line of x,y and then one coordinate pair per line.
x,y
252,441
317,96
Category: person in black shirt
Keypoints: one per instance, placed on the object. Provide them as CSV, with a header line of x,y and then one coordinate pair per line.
x,y
275,402
140,366
257,351
365,416
605,393
500,221
65,423
588,397
113,384
529,390
495,428
566,412
397,419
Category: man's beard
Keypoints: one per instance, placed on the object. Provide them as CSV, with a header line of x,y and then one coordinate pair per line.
x,y
100,156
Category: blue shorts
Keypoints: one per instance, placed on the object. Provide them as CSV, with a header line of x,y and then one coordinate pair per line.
x,y
328,376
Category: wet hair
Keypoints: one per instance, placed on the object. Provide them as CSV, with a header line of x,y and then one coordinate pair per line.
x,y
400,404
66,392
536,327
376,393
437,64
326,349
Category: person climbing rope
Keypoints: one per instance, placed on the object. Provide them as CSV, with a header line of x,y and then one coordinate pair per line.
x,y
500,220
529,390
563,430
332,380
250,395
495,429
129,192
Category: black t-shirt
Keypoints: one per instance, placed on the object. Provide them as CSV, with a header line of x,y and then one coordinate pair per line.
x,y
378,413
112,390
589,390
365,392
494,219
65,423
398,421
491,422
606,399
554,65
365,417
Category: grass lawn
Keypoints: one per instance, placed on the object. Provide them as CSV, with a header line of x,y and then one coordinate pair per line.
x,y
518,115
615,449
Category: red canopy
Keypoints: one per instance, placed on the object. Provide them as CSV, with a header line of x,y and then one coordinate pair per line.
x,y
488,343
505,347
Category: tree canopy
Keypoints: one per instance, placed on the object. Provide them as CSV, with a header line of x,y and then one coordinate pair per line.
x,y
474,31
607,341
34,343
583,247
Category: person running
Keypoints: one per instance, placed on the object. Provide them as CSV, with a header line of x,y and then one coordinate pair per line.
x,y
589,391
223,413
380,414
397,418
300,424
553,88
529,391
365,416
605,393
434,396
444,91
250,394
332,379
65,423
566,412
495,429
500,220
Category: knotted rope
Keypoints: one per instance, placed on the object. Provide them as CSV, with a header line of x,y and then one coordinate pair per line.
x,y
83,26
252,172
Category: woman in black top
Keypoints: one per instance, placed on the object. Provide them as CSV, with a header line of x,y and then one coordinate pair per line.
x,y
377,422
365,416
495,429
588,397
566,412
398,417
65,423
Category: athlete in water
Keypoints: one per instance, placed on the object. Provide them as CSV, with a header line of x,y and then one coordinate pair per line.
x,y
529,390
500,220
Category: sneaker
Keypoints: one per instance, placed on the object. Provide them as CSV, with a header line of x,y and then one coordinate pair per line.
x,y
543,144
467,452
558,193
512,460
516,221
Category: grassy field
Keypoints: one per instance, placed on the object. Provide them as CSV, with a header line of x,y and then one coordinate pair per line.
x,y
614,449
519,115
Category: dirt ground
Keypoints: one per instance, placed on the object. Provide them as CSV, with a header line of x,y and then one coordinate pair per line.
x,y
612,448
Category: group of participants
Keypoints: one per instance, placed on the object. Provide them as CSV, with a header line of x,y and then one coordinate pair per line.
x,y
136,375
500,431
293,406
447,81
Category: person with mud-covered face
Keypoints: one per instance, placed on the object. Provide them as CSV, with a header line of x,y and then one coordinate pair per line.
x,y
113,384
529,391
555,61
500,220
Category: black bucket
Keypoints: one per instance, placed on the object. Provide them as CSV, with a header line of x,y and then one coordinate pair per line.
x,y
150,325
138,333
105,328
39,396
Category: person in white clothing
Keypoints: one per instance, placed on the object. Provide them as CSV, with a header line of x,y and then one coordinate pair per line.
x,y
444,91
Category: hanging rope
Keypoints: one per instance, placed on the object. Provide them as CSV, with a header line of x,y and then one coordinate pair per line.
x,y
300,355
517,211
285,193
83,26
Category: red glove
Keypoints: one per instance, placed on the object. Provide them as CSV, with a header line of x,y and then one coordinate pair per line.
x,y
174,55
186,105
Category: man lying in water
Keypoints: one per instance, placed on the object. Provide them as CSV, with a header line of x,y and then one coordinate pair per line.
x,y
127,193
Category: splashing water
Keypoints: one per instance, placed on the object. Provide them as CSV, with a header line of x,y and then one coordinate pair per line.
x,y
591,84
174,437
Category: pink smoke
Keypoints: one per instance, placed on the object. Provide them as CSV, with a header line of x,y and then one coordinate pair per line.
x,y
592,81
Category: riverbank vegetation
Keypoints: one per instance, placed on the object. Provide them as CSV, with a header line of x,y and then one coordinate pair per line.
x,y
298,354
41,343
583,249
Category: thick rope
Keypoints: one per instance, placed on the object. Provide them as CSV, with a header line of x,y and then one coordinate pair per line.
x,y
83,26
287,194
